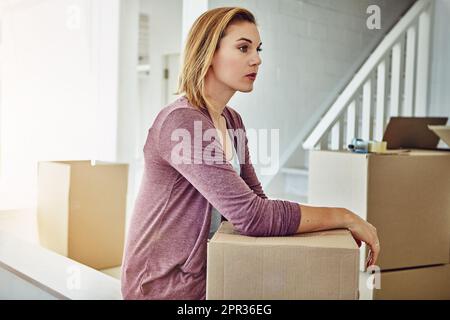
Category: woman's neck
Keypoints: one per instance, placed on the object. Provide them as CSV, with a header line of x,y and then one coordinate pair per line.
x,y
218,94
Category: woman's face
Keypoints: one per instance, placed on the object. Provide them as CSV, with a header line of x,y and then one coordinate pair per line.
x,y
237,57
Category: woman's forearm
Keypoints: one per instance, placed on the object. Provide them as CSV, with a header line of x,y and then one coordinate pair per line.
x,y
323,218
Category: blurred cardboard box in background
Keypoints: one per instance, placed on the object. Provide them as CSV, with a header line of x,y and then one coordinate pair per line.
x,y
81,210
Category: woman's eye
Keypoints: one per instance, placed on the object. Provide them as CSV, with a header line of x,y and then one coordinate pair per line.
x,y
244,47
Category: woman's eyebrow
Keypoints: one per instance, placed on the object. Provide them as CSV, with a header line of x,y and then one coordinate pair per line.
x,y
245,39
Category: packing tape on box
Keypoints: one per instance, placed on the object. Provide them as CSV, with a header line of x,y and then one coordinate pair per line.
x,y
378,147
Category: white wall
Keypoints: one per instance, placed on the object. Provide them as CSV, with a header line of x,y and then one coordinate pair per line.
x,y
1,62
310,50
165,38
59,89
70,90
141,98
191,11
440,63
128,131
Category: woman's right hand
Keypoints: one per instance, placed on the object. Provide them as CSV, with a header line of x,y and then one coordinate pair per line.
x,y
315,218
365,232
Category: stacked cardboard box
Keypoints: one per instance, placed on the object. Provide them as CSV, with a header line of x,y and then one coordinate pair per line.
x,y
416,283
405,195
81,210
320,265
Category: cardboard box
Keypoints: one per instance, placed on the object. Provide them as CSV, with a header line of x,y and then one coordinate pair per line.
x,y
320,265
81,210
404,195
415,284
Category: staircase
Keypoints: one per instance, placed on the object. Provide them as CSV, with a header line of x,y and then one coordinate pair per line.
x,y
392,82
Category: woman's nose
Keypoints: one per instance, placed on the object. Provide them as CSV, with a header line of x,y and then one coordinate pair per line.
x,y
256,60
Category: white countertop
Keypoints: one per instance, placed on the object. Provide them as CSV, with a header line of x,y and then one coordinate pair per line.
x,y
60,276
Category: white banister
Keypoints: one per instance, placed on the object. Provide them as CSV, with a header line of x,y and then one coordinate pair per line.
x,y
410,75
367,110
324,142
396,77
352,123
382,80
399,88
423,58
342,132
337,135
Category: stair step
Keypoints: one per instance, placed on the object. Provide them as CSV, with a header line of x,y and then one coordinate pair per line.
x,y
296,181
295,170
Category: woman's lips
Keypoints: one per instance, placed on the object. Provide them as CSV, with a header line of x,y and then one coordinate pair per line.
x,y
251,76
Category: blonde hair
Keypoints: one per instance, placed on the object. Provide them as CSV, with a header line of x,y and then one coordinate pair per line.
x,y
202,42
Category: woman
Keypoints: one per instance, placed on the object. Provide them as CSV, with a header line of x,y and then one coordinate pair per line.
x,y
185,185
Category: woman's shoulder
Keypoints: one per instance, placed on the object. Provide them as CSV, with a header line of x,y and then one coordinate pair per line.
x,y
178,110
181,105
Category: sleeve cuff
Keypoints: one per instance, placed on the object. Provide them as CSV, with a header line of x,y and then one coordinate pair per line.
x,y
295,218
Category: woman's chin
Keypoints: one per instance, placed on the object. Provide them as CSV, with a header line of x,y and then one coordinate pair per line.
x,y
246,89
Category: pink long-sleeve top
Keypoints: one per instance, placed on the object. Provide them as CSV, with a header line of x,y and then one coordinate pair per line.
x,y
165,254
